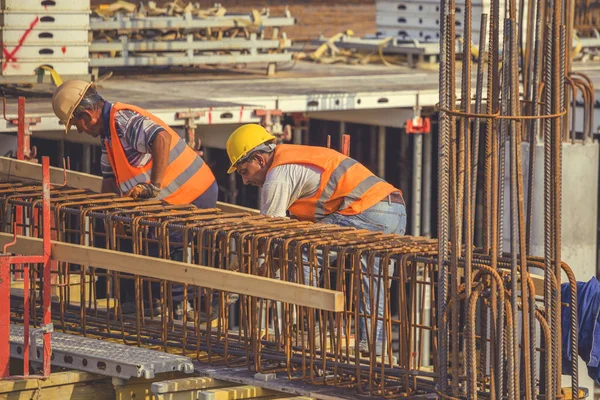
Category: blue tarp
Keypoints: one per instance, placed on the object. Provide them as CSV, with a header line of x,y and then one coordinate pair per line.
x,y
588,313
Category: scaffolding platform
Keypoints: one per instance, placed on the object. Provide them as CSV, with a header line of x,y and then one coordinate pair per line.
x,y
99,356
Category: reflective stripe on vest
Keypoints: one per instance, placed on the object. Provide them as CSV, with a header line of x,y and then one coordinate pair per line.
x,y
144,177
335,177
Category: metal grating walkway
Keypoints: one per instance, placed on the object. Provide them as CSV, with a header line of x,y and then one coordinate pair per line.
x,y
98,356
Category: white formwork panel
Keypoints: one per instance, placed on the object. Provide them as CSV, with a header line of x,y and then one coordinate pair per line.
x,y
420,34
58,53
45,5
45,20
419,20
49,37
426,10
425,18
29,67
403,7
410,21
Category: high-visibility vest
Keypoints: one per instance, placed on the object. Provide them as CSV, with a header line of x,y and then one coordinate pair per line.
x,y
187,176
347,187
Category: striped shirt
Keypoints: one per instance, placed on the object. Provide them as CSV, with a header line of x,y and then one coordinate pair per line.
x,y
136,133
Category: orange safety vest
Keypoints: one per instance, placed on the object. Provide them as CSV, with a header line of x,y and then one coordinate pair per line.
x,y
347,187
187,176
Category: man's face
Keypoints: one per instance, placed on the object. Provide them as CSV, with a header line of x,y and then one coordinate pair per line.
x,y
88,123
253,171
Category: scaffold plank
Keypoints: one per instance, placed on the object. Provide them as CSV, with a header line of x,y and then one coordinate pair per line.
x,y
99,356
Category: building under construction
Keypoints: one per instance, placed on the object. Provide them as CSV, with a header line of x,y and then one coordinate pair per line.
x,y
482,113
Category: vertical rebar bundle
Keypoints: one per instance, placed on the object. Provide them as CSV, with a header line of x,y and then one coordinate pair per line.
x,y
526,101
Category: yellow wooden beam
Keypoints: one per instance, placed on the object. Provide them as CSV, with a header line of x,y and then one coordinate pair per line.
x,y
234,393
191,274
28,170
55,379
72,385
184,384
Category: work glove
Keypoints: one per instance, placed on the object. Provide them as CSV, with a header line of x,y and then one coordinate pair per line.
x,y
143,191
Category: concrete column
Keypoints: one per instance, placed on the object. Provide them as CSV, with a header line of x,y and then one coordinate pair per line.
x,y
61,153
426,206
415,211
381,152
579,216
373,148
86,158
232,195
297,135
338,146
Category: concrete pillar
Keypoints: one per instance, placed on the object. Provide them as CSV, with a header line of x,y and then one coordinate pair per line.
x,y
61,153
297,135
415,212
86,158
373,148
381,152
232,195
579,216
426,206
579,206
338,146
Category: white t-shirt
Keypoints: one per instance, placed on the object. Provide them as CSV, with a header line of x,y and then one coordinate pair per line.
x,y
285,184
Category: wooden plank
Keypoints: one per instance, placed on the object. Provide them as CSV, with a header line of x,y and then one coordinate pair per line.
x,y
100,390
55,379
296,398
236,392
184,384
28,170
59,385
79,180
196,275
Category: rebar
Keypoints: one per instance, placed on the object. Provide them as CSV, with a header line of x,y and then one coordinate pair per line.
x,y
512,352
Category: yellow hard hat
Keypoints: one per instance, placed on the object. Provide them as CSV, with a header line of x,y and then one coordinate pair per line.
x,y
66,98
243,140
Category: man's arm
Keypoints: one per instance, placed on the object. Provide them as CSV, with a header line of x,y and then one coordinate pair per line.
x,y
275,198
161,145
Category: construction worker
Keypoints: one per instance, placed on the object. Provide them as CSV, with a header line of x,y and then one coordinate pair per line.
x,y
322,185
142,157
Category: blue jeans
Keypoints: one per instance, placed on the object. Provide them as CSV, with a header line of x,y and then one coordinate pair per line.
x,y
383,217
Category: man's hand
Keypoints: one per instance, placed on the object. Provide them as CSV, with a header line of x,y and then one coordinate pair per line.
x,y
144,191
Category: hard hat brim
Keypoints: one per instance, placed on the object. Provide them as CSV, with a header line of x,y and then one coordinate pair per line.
x,y
72,110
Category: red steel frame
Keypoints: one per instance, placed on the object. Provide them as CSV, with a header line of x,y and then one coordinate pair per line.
x,y
6,260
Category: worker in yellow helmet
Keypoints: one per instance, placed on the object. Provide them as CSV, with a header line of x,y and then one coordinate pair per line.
x,y
142,157
318,184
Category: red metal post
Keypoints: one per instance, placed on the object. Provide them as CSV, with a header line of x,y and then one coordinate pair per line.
x,y
346,145
328,141
4,316
25,319
21,145
46,243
